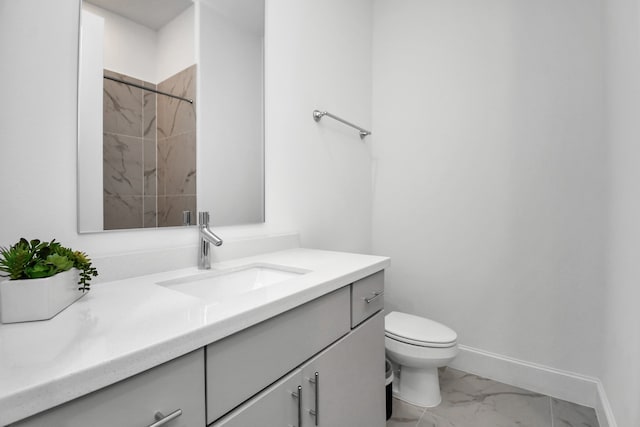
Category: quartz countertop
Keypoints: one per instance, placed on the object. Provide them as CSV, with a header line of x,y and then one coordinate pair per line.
x,y
125,327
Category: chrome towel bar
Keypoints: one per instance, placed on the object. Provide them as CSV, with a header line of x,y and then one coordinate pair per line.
x,y
317,115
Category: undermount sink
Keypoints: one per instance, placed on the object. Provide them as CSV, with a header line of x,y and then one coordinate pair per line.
x,y
214,286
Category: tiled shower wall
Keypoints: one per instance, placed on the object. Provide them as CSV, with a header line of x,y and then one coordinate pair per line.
x,y
149,152
177,148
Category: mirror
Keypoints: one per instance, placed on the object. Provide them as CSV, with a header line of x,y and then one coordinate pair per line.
x,y
162,80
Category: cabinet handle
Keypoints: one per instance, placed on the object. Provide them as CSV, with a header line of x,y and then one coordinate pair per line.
x,y
375,295
162,419
315,381
298,396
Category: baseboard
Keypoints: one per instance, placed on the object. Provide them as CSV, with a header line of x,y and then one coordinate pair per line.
x,y
565,385
603,409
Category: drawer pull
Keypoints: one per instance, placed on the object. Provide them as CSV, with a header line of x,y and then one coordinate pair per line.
x,y
298,396
162,419
375,295
315,381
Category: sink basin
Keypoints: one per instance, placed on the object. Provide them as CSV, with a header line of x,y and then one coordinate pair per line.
x,y
214,286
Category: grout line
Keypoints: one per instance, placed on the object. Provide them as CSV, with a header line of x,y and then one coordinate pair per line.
x,y
551,410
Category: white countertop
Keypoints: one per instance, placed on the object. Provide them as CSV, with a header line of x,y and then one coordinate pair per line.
x,y
124,327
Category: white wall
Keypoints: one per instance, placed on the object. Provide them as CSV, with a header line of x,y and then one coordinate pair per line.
x,y
317,176
621,346
129,48
490,183
146,54
176,45
90,188
230,141
318,55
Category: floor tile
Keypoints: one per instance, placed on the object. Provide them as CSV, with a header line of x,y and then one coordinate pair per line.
x,y
469,400
472,401
567,414
432,420
404,414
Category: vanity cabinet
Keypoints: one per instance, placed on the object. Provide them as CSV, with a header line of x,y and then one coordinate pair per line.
x,y
277,406
343,386
318,364
348,390
173,388
241,365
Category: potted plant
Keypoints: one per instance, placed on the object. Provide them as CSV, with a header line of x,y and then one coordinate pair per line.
x,y
43,279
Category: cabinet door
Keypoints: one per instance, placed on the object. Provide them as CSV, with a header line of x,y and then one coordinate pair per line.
x,y
177,385
277,406
349,388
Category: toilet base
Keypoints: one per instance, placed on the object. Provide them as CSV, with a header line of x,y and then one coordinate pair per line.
x,y
419,386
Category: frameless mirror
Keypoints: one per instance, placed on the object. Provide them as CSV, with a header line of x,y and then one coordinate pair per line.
x,y
162,80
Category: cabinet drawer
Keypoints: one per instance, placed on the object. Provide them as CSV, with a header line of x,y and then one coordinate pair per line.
x,y
367,297
175,385
241,365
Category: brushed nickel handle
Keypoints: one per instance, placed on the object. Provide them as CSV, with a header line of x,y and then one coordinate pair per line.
x,y
298,395
162,419
375,295
316,381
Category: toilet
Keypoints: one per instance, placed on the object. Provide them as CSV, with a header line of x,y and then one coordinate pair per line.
x,y
418,347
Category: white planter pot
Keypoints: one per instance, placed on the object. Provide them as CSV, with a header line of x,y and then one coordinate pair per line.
x,y
38,299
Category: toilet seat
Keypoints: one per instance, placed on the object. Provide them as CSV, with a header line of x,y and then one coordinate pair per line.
x,y
420,343
418,331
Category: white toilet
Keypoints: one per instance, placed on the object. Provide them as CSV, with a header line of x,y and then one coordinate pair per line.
x,y
418,346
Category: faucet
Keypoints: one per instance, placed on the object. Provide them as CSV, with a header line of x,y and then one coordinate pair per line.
x,y
206,237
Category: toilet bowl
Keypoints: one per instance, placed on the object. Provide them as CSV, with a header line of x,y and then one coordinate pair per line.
x,y
418,346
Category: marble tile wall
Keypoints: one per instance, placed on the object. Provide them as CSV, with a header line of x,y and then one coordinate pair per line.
x,y
129,154
177,149
149,152
472,401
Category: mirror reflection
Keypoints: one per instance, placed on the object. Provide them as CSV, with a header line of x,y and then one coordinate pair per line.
x,y
142,84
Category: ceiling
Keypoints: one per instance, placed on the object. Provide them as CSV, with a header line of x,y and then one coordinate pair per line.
x,y
153,14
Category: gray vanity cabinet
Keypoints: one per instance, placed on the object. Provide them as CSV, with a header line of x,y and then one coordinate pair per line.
x,y
277,406
241,365
348,390
318,364
174,389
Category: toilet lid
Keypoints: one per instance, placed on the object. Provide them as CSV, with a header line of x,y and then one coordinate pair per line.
x,y
417,330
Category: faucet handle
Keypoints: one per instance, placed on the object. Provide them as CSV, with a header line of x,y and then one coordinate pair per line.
x,y
186,217
203,218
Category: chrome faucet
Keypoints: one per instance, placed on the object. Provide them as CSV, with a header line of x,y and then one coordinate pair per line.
x,y
206,237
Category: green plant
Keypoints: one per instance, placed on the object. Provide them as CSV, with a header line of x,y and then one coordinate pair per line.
x,y
35,259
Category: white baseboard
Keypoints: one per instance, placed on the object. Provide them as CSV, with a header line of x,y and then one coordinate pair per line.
x,y
603,409
576,388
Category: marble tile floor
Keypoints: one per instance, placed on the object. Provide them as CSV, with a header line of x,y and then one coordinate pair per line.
x,y
472,401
